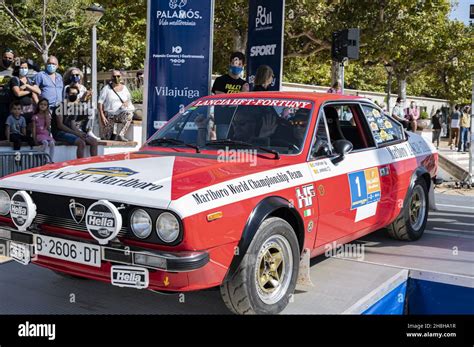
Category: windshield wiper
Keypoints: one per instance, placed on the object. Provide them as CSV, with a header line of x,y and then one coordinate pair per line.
x,y
228,142
163,140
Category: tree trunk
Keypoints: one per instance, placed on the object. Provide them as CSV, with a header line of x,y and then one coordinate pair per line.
x,y
336,72
45,56
240,42
402,89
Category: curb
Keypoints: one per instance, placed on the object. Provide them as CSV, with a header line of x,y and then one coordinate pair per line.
x,y
453,168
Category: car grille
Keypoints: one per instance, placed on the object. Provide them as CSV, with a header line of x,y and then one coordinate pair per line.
x,y
67,223
53,210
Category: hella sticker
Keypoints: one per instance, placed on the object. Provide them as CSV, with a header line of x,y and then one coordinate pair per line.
x,y
129,276
103,221
22,210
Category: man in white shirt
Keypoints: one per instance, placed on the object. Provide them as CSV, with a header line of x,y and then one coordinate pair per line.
x,y
115,109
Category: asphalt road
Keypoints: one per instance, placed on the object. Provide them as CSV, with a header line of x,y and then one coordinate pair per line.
x,y
34,290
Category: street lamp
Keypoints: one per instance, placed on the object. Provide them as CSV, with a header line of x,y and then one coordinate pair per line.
x,y
389,69
95,13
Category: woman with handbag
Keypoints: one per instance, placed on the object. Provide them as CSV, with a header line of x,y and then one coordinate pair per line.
x,y
115,109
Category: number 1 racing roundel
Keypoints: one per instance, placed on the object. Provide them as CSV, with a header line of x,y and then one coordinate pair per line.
x,y
365,187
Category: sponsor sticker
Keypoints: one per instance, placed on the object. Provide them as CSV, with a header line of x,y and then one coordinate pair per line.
x,y
117,176
22,210
103,221
255,102
109,171
305,196
365,187
129,276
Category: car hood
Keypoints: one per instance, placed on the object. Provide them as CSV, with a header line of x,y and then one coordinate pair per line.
x,y
144,178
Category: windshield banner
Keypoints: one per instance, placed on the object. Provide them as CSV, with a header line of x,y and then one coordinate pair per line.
x,y
265,39
255,102
179,53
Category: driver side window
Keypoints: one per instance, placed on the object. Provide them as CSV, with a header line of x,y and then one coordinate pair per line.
x,y
322,145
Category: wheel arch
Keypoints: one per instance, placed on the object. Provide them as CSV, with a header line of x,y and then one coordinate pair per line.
x,y
272,206
422,173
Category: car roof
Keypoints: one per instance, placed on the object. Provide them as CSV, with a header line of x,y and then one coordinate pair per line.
x,y
310,96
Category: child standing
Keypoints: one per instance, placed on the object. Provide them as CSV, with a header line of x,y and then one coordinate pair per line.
x,y
15,127
41,128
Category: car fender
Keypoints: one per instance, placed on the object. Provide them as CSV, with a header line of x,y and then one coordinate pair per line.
x,y
422,173
261,212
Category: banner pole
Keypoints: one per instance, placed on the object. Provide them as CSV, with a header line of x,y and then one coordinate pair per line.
x,y
282,43
147,75
211,48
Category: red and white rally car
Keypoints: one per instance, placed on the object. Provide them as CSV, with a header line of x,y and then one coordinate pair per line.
x,y
237,191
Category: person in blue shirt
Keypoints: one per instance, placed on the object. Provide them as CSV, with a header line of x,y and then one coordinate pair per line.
x,y
51,83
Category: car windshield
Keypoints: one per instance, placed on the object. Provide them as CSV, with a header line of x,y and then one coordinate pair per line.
x,y
274,125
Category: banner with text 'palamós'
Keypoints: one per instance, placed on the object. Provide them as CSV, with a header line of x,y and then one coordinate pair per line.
x,y
179,57
265,39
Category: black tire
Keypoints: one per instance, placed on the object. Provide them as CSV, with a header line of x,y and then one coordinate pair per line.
x,y
243,294
403,227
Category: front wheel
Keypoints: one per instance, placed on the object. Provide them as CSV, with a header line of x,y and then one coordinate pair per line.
x,y
411,223
266,277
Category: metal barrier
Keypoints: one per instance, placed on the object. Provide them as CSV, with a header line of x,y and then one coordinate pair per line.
x,y
11,162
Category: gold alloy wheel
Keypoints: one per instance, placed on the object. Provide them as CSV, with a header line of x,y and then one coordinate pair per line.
x,y
270,270
274,268
417,207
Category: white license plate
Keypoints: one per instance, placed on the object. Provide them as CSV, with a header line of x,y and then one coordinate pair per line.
x,y
20,252
75,252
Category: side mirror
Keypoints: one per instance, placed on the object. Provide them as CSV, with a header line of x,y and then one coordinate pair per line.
x,y
341,147
321,151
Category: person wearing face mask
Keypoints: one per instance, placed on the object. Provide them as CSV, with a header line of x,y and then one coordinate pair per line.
x,y
24,90
232,82
6,73
115,109
50,83
67,123
74,77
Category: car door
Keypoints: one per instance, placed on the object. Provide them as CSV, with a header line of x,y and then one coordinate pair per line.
x,y
331,187
386,132
348,191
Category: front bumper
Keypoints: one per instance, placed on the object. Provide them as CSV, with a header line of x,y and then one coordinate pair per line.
x,y
117,253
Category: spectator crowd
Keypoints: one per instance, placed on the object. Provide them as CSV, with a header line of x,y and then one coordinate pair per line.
x,y
42,108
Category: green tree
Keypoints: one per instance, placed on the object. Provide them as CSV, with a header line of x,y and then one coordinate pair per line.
x,y
454,62
122,34
37,26
230,31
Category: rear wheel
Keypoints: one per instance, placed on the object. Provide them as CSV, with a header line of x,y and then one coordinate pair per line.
x,y
267,274
411,223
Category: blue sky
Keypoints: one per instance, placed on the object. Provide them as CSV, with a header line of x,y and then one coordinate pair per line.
x,y
461,11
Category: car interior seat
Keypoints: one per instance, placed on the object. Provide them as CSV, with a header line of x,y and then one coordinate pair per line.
x,y
334,125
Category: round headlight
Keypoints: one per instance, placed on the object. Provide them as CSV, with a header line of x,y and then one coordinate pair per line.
x,y
141,224
167,227
4,203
